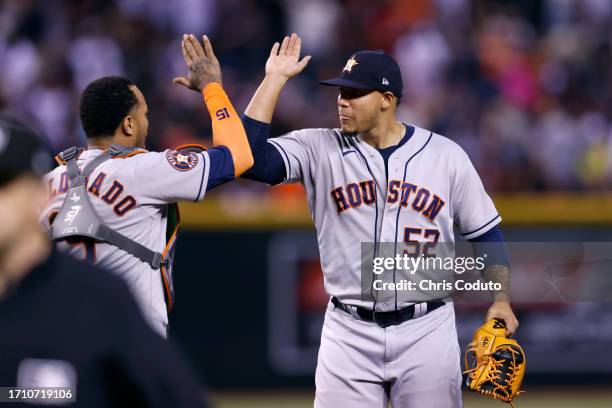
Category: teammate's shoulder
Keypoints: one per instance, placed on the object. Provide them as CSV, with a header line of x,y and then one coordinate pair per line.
x,y
181,158
184,149
130,153
60,160
135,156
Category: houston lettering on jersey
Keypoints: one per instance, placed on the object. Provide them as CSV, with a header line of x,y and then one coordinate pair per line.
x,y
420,199
113,195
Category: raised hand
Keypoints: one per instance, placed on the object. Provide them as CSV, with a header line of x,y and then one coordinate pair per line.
x,y
284,58
203,66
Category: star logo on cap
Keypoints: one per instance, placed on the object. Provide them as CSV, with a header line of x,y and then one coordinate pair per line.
x,y
350,64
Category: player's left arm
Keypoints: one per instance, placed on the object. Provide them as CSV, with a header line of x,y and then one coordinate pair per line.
x,y
478,221
205,77
501,308
283,64
491,246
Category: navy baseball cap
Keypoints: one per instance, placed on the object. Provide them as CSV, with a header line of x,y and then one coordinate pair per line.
x,y
22,151
375,70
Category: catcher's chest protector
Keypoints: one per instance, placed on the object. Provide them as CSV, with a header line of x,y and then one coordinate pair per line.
x,y
78,218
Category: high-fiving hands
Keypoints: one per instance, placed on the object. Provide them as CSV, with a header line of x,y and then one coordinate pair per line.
x,y
204,67
283,64
284,60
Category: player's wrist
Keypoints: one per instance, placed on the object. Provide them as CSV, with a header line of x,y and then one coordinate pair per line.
x,y
501,297
277,78
211,89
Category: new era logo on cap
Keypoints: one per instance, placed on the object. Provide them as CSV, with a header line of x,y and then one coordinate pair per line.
x,y
372,70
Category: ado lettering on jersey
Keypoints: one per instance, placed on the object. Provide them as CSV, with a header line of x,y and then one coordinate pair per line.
x,y
132,195
113,195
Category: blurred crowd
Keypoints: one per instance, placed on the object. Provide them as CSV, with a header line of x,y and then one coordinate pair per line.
x,y
524,86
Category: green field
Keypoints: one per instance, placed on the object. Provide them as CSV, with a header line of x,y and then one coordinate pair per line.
x,y
599,398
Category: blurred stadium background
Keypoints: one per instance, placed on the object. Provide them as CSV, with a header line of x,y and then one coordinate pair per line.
x,y
523,86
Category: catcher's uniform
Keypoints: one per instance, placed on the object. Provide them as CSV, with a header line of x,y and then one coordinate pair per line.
x,y
133,194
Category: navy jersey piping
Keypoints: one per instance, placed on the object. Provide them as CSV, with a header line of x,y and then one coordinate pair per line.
x,y
399,207
352,142
283,152
339,142
484,226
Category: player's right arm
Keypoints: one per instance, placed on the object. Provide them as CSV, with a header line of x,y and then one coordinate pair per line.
x,y
184,175
274,159
205,78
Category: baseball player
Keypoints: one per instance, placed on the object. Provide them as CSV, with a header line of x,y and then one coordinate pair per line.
x,y
114,203
376,180
72,325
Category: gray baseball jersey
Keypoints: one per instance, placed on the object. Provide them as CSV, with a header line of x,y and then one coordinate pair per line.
x,y
431,186
131,194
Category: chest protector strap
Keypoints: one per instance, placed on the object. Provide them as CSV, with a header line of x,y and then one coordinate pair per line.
x,y
78,217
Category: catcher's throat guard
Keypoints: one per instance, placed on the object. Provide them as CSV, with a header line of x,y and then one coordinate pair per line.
x,y
78,218
495,364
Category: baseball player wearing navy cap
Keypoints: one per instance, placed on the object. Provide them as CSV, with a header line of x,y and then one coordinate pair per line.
x,y
372,71
377,180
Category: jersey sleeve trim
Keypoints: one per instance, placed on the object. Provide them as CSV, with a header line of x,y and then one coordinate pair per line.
x,y
285,158
483,229
205,174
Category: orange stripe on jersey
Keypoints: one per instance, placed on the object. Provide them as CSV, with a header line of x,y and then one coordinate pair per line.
x,y
227,127
130,154
190,146
165,277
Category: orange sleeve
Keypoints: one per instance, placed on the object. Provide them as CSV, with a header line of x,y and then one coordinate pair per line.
x,y
227,127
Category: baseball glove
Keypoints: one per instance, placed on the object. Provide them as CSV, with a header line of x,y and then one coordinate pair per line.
x,y
497,363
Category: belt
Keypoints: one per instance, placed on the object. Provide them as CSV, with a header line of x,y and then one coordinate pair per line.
x,y
386,319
